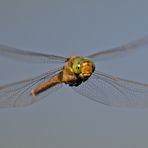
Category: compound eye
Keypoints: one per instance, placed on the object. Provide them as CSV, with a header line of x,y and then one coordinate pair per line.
x,y
77,67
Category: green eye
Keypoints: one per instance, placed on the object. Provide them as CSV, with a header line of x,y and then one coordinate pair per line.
x,y
77,66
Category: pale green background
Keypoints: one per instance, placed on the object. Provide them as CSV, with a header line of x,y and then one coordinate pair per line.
x,y
64,27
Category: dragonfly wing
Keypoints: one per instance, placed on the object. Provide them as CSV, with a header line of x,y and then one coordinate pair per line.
x,y
114,91
19,94
121,50
29,56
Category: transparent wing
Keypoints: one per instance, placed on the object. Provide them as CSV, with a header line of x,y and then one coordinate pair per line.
x,y
121,50
29,56
114,91
19,94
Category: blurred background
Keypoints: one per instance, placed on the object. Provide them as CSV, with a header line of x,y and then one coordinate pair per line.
x,y
65,27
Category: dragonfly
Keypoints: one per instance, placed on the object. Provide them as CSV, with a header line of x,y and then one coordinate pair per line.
x,y
77,72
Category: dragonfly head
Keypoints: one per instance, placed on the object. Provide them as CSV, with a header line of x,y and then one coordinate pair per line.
x,y
83,67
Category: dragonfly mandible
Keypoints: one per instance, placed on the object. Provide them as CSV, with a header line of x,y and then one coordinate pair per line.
x,y
80,74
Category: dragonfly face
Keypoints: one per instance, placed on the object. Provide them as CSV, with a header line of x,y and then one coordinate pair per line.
x,y
83,67
77,70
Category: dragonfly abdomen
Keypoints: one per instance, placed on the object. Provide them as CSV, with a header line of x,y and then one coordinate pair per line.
x,y
46,85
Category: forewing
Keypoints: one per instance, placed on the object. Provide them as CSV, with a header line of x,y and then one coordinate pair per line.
x,y
19,94
114,91
121,50
29,56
